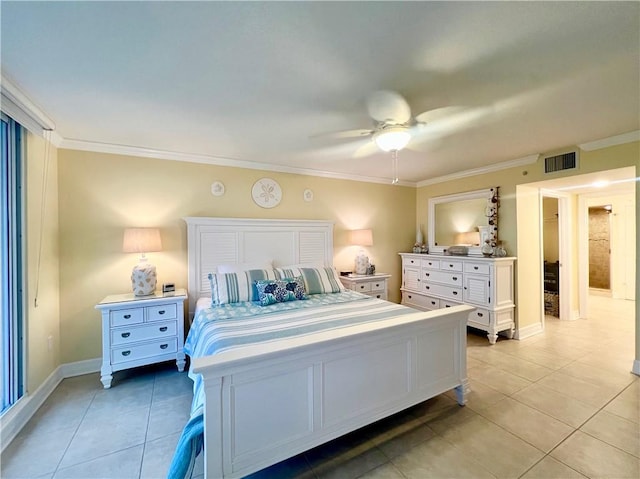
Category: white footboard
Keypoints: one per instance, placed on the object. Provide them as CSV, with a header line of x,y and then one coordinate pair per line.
x,y
267,403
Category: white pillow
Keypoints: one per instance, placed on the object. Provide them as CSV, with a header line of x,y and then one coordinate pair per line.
x,y
317,280
240,267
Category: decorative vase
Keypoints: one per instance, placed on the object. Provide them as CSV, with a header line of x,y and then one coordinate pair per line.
x,y
419,238
487,249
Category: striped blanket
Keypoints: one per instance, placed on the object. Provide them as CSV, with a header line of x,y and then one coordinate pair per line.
x,y
232,325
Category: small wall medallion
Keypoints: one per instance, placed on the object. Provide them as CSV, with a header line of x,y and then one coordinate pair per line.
x,y
217,188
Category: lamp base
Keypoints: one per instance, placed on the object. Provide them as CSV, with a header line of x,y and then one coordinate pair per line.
x,y
361,263
144,279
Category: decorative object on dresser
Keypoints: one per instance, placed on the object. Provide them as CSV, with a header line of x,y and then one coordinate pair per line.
x,y
142,240
440,281
375,285
139,331
361,238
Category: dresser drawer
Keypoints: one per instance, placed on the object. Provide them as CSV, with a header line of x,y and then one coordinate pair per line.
x,y
448,292
420,301
415,262
444,277
160,313
480,316
431,263
451,265
142,333
377,286
444,303
477,268
123,353
125,317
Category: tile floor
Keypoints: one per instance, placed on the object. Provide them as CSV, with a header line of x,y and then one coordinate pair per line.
x,y
562,404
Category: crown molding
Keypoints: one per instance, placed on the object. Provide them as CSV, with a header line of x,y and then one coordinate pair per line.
x,y
527,160
611,141
23,110
215,160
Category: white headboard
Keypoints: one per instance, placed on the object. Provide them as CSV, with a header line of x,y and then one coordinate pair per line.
x,y
215,241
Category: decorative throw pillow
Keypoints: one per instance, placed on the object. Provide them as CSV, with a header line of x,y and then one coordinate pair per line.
x,y
237,287
280,290
316,280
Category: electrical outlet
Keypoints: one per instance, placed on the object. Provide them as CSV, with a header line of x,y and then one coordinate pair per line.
x,y
50,343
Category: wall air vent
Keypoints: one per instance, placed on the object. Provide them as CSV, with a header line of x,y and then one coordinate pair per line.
x,y
566,161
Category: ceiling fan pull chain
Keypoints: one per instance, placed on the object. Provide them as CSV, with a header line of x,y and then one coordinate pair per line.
x,y
394,162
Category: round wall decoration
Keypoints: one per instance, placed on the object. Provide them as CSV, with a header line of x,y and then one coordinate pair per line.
x,y
308,195
266,193
217,188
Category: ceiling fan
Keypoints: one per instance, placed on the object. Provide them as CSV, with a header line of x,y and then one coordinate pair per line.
x,y
393,124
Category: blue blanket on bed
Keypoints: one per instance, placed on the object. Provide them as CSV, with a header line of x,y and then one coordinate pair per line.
x,y
189,446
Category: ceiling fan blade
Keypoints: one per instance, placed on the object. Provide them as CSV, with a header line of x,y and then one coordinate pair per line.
x,y
438,113
366,149
388,107
343,134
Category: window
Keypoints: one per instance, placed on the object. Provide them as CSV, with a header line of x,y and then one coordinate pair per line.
x,y
11,265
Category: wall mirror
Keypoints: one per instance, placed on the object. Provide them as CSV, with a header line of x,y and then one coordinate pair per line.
x,y
463,219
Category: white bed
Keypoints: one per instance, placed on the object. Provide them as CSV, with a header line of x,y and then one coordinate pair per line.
x,y
319,386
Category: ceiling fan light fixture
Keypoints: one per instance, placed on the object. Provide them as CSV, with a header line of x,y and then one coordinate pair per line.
x,y
392,139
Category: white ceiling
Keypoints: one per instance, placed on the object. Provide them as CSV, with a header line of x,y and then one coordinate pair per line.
x,y
258,81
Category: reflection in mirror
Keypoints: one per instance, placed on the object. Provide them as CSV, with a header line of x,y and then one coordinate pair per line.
x,y
463,219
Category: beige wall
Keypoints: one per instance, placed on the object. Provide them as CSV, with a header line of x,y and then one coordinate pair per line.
x,y
43,320
101,194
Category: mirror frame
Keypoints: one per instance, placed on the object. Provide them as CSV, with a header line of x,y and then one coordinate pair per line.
x,y
490,194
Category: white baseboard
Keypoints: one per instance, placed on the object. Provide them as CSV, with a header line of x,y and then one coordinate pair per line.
x,y
17,416
636,367
528,331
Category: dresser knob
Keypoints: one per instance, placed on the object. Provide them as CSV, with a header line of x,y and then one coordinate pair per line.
x,y
161,312
455,278
126,353
164,346
163,329
127,316
433,302
480,315
125,335
455,293
475,267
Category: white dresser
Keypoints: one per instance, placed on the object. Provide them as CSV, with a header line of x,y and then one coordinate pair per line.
x,y
141,330
439,281
375,285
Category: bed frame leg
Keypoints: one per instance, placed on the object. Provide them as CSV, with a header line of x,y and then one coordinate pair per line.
x,y
461,392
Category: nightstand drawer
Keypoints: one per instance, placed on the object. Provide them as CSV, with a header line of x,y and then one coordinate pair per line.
x,y
362,287
131,353
125,317
142,333
377,286
160,313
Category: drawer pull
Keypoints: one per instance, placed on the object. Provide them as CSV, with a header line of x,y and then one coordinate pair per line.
x,y
377,285
409,296
362,286
164,346
447,306
126,353
427,274
433,302
455,293
450,266
430,263
127,316
161,312
125,335
427,287
378,296
480,315
455,278
475,267
163,329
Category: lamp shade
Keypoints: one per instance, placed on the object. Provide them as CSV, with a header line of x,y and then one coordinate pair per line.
x,y
394,138
470,238
141,240
361,237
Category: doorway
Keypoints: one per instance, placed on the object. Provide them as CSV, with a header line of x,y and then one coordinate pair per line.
x,y
551,256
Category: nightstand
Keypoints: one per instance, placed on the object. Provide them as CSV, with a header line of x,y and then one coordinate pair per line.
x,y
140,330
371,284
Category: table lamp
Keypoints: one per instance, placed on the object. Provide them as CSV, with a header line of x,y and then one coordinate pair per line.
x,y
142,240
361,238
